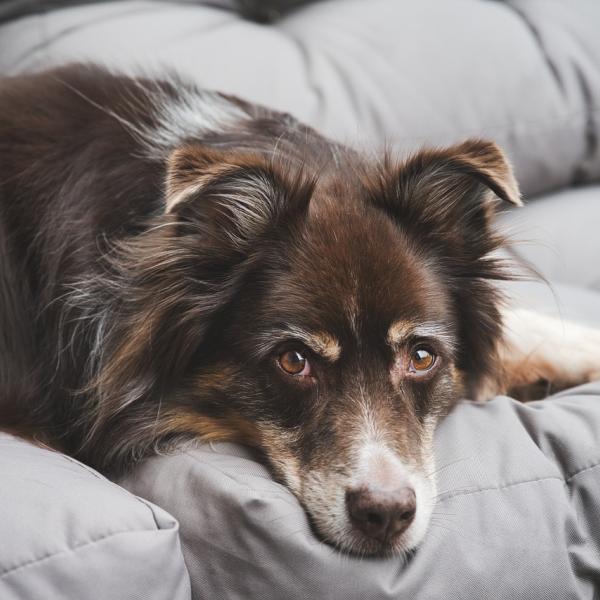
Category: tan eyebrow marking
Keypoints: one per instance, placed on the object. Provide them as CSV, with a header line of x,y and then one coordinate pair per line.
x,y
400,330
320,342
324,344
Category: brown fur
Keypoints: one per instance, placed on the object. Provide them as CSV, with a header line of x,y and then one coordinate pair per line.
x,y
142,283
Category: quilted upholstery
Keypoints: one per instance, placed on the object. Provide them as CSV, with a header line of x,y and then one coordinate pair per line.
x,y
525,73
519,510
67,532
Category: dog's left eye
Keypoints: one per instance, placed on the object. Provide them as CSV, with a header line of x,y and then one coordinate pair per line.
x,y
293,362
421,360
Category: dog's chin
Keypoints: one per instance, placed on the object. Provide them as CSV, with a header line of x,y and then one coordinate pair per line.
x,y
356,544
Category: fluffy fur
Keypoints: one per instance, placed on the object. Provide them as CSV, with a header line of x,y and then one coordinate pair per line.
x,y
161,247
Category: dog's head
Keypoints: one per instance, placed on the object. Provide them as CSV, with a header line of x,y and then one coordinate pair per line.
x,y
329,320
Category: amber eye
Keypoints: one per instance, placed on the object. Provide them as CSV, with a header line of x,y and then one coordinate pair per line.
x,y
294,362
421,360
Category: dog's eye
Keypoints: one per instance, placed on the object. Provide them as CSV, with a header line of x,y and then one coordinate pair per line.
x,y
294,362
421,360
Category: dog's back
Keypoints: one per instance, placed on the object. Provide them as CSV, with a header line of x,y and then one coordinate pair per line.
x,y
62,185
84,156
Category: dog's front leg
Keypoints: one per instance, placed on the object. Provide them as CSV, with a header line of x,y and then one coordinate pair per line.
x,y
539,355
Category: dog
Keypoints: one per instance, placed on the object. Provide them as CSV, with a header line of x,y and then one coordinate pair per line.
x,y
178,264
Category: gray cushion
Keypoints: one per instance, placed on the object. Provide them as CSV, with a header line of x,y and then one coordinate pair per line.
x,y
568,36
518,509
559,235
67,532
518,515
410,73
518,512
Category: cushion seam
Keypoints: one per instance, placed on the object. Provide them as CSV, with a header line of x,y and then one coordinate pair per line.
x,y
38,560
588,468
564,480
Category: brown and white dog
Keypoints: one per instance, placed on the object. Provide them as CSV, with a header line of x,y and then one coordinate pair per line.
x,y
177,264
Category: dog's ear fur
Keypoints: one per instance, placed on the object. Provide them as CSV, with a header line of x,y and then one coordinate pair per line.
x,y
447,197
185,269
444,199
463,165
236,197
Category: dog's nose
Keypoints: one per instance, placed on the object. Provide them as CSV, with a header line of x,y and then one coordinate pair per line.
x,y
381,514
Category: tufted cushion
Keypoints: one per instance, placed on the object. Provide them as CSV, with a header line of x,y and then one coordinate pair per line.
x,y
67,532
518,512
518,515
526,72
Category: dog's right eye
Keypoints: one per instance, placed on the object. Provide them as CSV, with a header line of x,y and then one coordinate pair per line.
x,y
293,362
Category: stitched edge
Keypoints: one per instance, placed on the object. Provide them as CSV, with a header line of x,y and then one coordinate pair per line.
x,y
284,494
75,547
565,482
10,442
588,468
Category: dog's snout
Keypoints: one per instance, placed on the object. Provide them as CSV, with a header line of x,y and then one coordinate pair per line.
x,y
381,514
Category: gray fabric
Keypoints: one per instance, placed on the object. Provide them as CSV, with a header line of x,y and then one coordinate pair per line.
x,y
15,9
560,301
518,515
409,73
67,532
259,10
569,35
519,485
559,235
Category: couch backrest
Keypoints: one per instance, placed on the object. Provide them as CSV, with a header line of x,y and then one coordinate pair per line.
x,y
524,72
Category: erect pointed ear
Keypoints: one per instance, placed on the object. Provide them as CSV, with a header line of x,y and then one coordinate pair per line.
x,y
235,196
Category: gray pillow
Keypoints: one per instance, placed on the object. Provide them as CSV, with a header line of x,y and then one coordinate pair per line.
x,y
67,532
518,515
518,511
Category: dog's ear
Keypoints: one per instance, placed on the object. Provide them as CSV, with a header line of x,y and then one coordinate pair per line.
x,y
233,196
447,196
456,171
444,200
182,272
